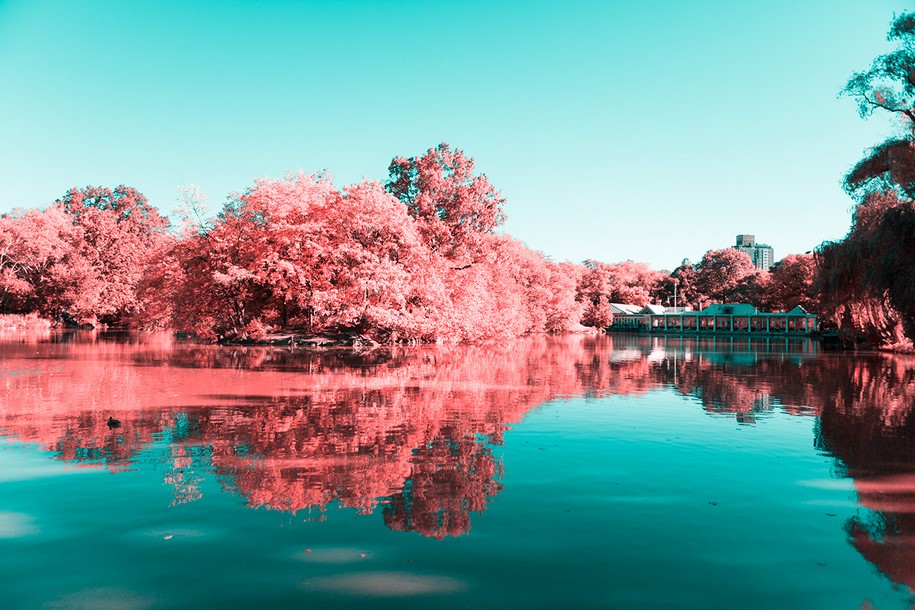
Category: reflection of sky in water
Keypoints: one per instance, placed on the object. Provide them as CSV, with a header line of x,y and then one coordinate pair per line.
x,y
16,525
384,584
333,555
453,476
102,599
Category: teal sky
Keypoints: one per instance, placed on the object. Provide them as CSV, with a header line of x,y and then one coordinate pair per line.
x,y
616,130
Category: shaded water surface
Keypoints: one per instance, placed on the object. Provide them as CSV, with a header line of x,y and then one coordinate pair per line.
x,y
582,471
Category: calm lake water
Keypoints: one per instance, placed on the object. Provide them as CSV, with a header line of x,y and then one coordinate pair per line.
x,y
585,472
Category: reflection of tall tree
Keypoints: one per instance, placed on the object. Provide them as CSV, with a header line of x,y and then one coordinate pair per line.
x,y
299,453
866,420
451,477
866,409
870,426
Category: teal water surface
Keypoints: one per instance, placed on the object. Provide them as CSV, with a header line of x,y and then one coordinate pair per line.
x,y
586,472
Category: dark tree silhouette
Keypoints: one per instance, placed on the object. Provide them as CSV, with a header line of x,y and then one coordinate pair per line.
x,y
867,281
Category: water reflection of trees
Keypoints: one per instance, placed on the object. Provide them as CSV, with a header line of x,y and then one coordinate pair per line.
x,y
452,476
410,429
869,425
413,431
865,409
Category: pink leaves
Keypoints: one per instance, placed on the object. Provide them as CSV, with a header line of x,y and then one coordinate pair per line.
x,y
419,261
82,257
601,284
720,272
299,254
791,284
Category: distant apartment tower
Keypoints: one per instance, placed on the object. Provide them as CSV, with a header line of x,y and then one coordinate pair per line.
x,y
761,254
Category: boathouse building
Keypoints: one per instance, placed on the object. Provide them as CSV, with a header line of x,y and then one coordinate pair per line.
x,y
719,318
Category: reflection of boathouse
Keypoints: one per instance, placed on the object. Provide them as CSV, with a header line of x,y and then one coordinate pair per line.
x,y
719,318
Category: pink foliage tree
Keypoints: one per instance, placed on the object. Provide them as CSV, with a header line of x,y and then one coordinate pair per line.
x,y
685,277
725,276
36,247
602,284
297,252
593,292
791,283
82,258
563,311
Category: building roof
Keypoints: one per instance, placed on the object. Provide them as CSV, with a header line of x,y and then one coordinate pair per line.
x,y
729,309
624,309
652,309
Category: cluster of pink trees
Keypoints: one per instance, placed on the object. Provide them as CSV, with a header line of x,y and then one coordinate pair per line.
x,y
416,258
81,258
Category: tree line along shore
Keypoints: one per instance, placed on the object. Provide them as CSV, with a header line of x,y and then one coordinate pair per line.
x,y
420,258
414,259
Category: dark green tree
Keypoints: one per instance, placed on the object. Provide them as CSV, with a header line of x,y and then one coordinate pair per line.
x,y
888,86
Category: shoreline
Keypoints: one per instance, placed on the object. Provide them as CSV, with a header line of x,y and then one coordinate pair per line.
x,y
829,340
